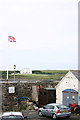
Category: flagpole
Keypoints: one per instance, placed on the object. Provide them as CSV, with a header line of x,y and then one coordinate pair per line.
x,y
11,39
14,71
7,64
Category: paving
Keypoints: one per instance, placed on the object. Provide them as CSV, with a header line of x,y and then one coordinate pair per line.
x,y
33,115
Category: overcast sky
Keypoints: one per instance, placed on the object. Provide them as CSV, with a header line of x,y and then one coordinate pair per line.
x,y
46,33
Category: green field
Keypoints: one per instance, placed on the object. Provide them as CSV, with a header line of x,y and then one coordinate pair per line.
x,y
38,75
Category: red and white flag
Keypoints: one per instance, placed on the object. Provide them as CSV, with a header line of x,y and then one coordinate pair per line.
x,y
11,39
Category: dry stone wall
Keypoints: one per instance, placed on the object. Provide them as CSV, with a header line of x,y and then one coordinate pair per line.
x,y
21,90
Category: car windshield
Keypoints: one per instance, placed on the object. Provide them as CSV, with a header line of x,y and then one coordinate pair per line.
x,y
12,117
62,106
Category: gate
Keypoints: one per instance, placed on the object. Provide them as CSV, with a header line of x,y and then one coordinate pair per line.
x,y
70,96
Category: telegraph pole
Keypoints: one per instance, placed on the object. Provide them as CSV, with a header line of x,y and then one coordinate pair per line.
x,y
14,71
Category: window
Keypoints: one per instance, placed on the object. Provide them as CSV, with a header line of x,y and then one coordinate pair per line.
x,y
51,107
62,107
44,93
47,107
58,107
12,118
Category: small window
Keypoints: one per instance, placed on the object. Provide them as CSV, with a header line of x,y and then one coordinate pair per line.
x,y
47,106
12,117
44,93
58,107
51,107
62,107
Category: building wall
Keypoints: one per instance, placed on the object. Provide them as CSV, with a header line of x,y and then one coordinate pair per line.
x,y
26,71
78,92
68,82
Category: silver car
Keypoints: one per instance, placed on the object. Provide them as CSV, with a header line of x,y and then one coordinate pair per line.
x,y
12,116
55,110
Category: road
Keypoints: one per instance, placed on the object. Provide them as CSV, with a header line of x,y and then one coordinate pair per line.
x,y
28,81
33,115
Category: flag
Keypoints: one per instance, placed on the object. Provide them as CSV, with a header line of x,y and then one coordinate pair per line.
x,y
11,39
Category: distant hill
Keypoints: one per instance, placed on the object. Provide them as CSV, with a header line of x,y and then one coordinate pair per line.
x,y
49,71
37,74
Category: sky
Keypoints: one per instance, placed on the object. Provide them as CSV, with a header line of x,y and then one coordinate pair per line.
x,y
46,33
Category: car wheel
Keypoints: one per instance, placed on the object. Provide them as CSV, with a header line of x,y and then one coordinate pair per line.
x,y
54,116
40,113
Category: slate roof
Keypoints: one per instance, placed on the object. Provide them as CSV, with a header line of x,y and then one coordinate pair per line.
x,y
76,73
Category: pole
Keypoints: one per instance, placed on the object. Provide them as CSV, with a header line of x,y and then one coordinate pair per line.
x,y
14,74
7,75
11,103
7,62
14,71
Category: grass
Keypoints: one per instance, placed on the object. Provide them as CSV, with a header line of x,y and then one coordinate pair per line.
x,y
41,75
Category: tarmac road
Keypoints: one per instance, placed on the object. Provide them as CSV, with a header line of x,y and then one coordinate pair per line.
x,y
33,115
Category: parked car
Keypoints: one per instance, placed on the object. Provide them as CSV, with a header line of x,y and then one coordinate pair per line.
x,y
12,116
55,110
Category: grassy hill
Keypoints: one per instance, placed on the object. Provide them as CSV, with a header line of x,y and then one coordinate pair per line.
x,y
37,74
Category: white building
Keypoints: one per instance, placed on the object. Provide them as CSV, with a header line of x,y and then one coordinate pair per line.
x,y
68,89
26,71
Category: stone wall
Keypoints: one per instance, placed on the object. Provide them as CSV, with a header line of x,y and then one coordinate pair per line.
x,y
21,90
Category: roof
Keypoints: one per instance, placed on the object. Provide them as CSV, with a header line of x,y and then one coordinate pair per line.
x,y
50,88
71,90
76,73
53,104
12,113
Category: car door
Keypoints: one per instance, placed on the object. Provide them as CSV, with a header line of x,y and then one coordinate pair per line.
x,y
51,110
45,110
